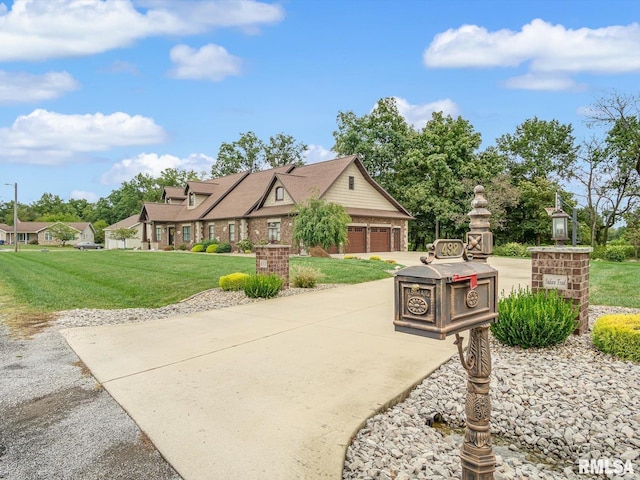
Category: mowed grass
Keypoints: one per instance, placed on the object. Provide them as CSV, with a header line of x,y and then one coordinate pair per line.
x,y
67,279
617,284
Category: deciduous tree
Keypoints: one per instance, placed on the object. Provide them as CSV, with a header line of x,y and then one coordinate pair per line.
x,y
320,223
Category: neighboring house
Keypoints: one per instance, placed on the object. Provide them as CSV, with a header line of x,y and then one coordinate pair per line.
x,y
32,232
260,206
132,222
4,230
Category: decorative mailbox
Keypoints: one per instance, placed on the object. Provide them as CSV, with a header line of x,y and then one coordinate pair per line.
x,y
437,300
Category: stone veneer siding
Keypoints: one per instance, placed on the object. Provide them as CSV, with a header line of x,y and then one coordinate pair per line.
x,y
572,262
273,259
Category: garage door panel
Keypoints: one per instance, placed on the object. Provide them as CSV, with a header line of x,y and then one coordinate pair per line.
x,y
380,238
357,240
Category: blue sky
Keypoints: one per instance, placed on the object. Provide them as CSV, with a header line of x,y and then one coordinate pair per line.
x,y
93,92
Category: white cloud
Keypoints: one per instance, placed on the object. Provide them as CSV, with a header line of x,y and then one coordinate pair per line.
x,y
26,87
211,62
419,115
91,197
38,30
153,164
49,138
547,48
317,153
532,81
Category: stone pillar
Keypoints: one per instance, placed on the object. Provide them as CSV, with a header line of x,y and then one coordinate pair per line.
x,y
273,259
565,269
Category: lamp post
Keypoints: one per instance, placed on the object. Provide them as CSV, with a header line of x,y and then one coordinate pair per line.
x,y
15,215
559,224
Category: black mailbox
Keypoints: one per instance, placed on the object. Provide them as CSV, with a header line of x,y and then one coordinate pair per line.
x,y
438,300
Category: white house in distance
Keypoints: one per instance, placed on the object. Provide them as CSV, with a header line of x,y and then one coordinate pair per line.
x,y
132,222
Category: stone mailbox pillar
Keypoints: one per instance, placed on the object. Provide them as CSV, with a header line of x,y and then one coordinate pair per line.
x,y
565,269
273,259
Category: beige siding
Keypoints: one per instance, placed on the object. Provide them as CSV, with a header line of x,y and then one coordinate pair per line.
x,y
271,197
362,196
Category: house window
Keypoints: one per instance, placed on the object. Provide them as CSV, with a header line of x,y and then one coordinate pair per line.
x,y
274,231
186,234
211,232
158,234
192,199
352,182
232,232
48,237
22,237
279,194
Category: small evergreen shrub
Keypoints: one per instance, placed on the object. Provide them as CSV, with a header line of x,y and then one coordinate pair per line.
x,y
618,335
182,246
390,261
375,257
197,248
224,247
351,257
263,286
212,248
233,281
534,320
304,276
245,245
617,253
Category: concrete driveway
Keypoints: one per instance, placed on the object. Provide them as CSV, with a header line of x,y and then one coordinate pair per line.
x,y
274,389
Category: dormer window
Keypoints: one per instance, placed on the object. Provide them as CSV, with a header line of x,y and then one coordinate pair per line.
x,y
279,194
192,199
352,183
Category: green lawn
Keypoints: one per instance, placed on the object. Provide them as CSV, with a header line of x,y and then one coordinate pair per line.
x,y
612,283
62,279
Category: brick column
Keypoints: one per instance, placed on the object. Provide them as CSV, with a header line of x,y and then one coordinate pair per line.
x,y
273,259
565,269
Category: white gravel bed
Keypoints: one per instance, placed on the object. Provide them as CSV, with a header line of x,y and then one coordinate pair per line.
x,y
550,409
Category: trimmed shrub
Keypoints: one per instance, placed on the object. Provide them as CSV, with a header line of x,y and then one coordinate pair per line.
x,y
182,246
197,248
351,257
375,257
206,243
618,335
168,248
615,254
263,286
304,276
212,248
245,245
233,281
511,249
224,247
534,320
390,261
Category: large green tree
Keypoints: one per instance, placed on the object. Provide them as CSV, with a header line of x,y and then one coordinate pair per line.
x,y
432,172
539,154
381,138
619,111
250,154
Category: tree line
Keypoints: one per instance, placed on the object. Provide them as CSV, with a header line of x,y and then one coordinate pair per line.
x,y
432,172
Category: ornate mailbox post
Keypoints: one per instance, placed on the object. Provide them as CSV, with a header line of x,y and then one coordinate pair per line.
x,y
437,300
